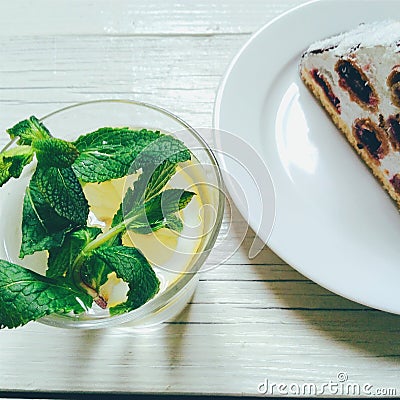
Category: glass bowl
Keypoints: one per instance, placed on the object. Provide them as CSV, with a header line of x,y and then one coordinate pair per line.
x,y
177,284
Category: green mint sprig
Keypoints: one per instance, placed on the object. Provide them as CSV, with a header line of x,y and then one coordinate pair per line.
x,y
13,161
26,296
29,130
55,214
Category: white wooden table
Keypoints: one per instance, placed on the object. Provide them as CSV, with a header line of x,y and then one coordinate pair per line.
x,y
249,320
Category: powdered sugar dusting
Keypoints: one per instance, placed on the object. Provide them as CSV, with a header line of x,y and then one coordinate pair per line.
x,y
379,33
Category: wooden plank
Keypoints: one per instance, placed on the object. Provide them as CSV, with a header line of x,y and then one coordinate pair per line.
x,y
178,73
313,348
125,17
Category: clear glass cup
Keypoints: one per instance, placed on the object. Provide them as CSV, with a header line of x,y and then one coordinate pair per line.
x,y
69,123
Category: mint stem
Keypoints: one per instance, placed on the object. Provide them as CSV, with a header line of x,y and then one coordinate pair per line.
x,y
101,239
99,300
88,249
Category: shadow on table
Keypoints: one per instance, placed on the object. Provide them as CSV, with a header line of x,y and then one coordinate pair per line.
x,y
345,321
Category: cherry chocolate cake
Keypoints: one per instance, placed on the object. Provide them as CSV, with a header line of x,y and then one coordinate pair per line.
x,y
356,77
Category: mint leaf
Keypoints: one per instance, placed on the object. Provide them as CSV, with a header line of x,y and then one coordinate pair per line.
x,y
27,296
42,227
109,153
54,203
28,130
166,147
158,212
159,178
161,210
118,218
62,258
13,161
132,267
171,201
54,152
151,181
174,223
61,189
95,272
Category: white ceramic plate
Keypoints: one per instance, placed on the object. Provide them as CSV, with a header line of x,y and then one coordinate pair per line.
x,y
334,223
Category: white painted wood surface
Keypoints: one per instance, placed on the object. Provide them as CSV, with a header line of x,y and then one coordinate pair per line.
x,y
249,320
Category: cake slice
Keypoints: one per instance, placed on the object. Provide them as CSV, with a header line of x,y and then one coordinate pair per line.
x,y
356,77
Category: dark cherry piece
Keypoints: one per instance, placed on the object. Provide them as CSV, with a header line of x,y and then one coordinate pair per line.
x,y
393,124
395,181
353,79
394,76
395,94
371,137
393,83
323,83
